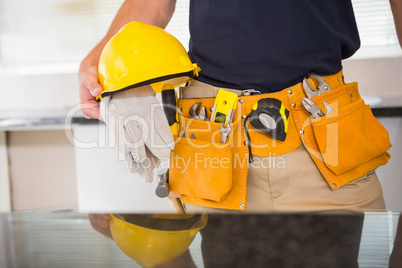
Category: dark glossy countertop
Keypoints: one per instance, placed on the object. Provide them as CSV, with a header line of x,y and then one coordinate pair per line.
x,y
66,239
388,107
387,111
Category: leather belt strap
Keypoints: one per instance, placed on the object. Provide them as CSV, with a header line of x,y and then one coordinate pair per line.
x,y
198,90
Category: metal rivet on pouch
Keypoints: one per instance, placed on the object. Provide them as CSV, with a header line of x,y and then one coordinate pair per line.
x,y
302,132
241,101
243,116
290,91
241,206
293,105
334,185
246,143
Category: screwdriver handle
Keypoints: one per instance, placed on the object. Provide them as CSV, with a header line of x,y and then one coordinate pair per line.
x,y
169,101
163,189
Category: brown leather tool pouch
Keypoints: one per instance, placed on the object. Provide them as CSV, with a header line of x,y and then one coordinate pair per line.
x,y
204,170
347,143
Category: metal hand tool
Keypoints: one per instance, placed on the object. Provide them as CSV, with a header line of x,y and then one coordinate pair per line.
x,y
225,132
198,112
169,101
328,108
322,86
163,190
270,116
312,108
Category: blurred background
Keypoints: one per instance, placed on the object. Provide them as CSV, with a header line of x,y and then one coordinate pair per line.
x,y
52,158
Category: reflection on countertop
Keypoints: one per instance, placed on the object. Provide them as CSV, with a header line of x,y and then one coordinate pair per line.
x,y
67,239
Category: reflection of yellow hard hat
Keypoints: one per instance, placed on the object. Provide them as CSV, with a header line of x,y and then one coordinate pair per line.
x,y
155,239
141,54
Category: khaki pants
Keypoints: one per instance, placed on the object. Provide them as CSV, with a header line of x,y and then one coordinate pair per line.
x,y
292,183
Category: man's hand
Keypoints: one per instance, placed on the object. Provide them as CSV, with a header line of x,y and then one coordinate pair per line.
x,y
100,222
89,90
155,12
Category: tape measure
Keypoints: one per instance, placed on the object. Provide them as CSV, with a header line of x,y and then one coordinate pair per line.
x,y
270,116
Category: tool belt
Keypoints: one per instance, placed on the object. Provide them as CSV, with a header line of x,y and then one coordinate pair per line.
x,y
345,144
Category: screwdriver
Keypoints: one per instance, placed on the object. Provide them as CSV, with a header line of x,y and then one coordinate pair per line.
x,y
169,101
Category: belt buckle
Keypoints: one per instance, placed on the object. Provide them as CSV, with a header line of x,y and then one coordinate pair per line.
x,y
250,92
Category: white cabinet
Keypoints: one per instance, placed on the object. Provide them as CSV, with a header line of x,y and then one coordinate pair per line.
x,y
42,170
104,182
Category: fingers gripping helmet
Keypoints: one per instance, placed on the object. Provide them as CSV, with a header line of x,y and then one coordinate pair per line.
x,y
141,54
151,240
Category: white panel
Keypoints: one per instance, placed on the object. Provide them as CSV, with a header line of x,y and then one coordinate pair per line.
x,y
104,183
5,198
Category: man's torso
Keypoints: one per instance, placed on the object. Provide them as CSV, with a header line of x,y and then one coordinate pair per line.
x,y
270,45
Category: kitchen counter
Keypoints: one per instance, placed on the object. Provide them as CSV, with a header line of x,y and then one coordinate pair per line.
x,y
387,107
42,119
66,239
64,118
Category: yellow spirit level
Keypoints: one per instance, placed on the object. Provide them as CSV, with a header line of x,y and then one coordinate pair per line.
x,y
224,106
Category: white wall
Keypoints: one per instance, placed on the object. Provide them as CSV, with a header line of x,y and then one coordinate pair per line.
x,y
38,92
376,77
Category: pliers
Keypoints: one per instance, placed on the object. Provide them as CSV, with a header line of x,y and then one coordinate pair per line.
x,y
321,84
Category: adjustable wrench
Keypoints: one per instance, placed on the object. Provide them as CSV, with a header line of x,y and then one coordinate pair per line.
x,y
225,132
197,112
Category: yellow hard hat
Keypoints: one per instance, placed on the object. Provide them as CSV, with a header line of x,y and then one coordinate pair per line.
x,y
151,240
141,54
